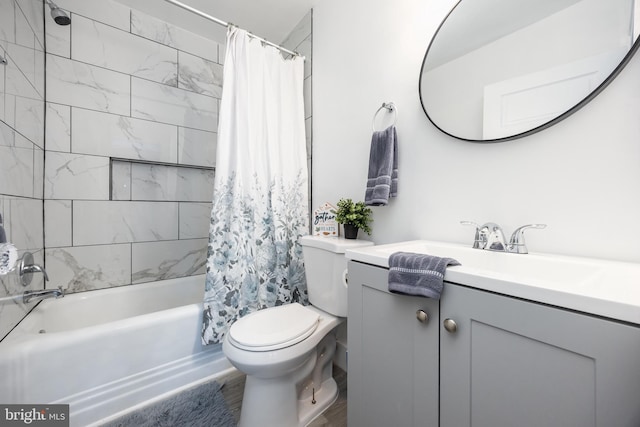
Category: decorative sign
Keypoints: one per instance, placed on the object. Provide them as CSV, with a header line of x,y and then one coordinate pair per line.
x,y
324,221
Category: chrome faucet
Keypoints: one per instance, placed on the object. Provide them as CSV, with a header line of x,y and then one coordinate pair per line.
x,y
26,268
493,237
490,236
34,268
40,294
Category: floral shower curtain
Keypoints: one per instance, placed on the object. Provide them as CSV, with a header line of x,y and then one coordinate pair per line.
x,y
260,206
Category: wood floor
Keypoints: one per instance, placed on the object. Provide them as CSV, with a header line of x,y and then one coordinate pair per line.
x,y
334,416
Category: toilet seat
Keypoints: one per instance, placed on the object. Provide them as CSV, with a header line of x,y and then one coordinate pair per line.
x,y
273,328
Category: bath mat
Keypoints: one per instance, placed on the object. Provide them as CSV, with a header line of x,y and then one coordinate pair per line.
x,y
200,406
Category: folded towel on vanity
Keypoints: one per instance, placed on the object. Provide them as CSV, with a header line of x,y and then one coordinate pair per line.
x,y
382,179
417,274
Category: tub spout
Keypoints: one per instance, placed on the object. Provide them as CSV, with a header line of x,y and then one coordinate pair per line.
x,y
39,295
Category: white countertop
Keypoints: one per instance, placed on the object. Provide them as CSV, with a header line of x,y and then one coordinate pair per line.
x,y
604,288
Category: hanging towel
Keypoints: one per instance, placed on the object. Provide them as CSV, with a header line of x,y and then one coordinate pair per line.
x,y
417,274
382,180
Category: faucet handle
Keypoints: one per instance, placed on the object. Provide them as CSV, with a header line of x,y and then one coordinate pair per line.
x,y
517,243
35,268
27,268
479,240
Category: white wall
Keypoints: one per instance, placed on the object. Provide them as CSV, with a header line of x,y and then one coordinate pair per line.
x,y
581,177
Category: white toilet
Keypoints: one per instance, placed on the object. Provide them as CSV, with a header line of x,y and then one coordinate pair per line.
x,y
287,351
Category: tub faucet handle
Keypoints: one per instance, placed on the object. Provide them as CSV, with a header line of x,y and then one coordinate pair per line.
x,y
27,268
35,268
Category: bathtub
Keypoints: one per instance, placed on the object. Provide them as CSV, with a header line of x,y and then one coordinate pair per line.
x,y
106,351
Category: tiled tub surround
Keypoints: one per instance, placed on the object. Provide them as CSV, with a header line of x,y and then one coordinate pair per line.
x,y
21,141
132,107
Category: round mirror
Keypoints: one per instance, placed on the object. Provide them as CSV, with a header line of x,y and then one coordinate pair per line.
x,y
502,69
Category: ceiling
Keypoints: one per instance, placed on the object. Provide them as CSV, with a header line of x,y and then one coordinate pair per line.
x,y
269,19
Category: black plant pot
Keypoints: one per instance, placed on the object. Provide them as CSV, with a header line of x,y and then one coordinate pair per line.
x,y
350,231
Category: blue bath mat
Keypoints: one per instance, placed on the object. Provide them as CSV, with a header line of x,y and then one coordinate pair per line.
x,y
201,406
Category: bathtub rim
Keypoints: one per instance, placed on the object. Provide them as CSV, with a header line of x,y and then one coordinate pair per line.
x,y
20,331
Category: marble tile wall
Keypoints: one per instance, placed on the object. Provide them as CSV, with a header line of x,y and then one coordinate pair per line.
x,y
131,116
22,115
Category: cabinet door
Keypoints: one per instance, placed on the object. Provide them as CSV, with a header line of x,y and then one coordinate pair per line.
x,y
516,363
393,357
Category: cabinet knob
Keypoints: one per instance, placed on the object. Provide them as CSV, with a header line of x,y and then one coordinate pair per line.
x,y
450,325
422,316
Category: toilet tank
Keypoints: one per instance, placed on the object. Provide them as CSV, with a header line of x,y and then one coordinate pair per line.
x,y
325,269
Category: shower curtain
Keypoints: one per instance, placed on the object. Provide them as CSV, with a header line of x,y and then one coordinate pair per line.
x,y
260,206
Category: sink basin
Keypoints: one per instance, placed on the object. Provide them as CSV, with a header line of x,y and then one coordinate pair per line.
x,y
606,288
523,268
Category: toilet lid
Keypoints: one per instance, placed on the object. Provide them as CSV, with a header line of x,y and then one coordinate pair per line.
x,y
274,328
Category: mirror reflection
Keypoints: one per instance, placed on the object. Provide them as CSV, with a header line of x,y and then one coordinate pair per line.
x,y
500,69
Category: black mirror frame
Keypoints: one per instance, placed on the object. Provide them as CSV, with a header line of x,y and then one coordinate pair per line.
x,y
543,126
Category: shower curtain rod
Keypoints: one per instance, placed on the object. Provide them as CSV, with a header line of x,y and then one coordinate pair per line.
x,y
227,24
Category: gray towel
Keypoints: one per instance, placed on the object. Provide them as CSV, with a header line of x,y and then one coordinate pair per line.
x,y
417,274
382,179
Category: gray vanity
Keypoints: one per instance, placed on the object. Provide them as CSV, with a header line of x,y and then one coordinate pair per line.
x,y
516,340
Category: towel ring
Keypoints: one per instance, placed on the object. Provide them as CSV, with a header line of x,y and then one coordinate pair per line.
x,y
391,107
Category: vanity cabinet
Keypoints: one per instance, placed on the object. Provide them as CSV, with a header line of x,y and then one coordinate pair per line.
x,y
517,363
392,365
499,362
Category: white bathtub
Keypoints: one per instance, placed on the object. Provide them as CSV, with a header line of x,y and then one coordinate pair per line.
x,y
105,351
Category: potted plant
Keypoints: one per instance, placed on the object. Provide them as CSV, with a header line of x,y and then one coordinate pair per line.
x,y
353,216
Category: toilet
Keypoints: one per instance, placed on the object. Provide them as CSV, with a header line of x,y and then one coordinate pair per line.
x,y
287,351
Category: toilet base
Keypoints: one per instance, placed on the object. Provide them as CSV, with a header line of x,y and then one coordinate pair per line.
x,y
325,397
295,399
274,412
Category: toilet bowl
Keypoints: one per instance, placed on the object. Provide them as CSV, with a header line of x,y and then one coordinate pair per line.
x,y
282,383
287,351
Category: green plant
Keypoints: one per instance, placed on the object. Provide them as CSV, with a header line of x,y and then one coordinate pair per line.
x,y
356,214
